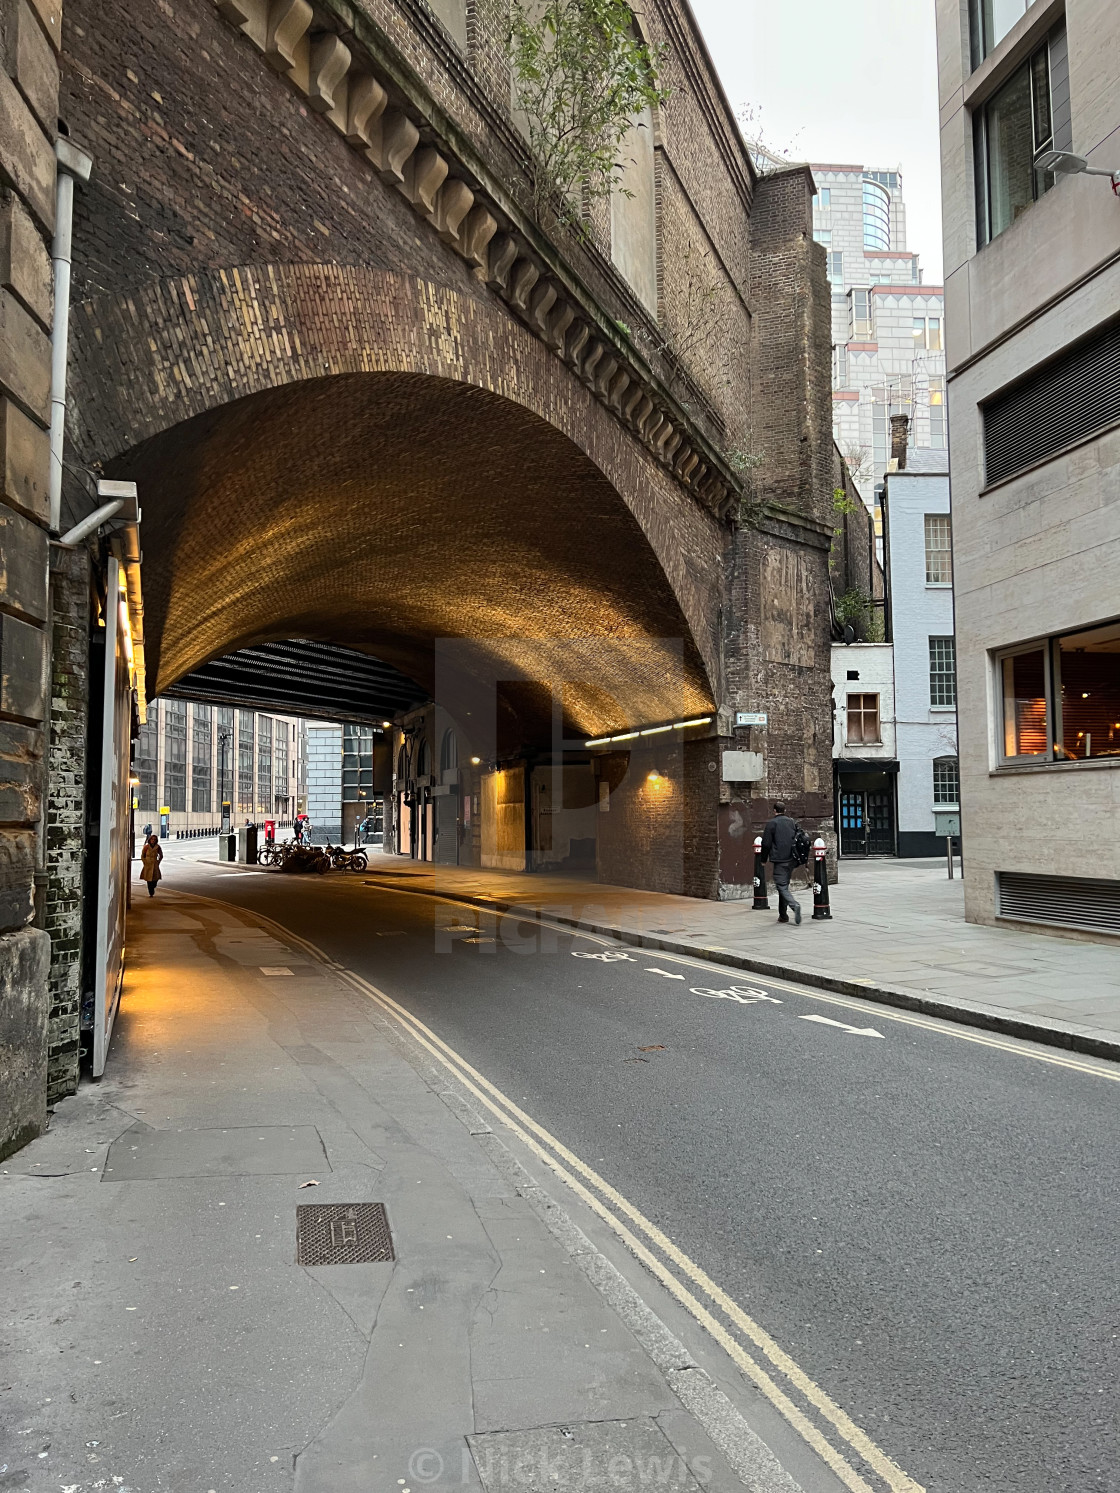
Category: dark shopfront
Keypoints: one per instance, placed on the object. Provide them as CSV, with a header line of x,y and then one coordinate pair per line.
x,y
867,806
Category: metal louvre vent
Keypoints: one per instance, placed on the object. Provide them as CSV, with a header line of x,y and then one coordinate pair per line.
x,y
1072,901
1063,402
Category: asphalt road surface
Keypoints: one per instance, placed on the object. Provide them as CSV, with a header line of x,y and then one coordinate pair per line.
x,y
928,1223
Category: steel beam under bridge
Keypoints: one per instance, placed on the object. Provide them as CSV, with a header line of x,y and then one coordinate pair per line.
x,y
302,678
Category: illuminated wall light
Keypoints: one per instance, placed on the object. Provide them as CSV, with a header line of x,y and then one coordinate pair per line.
x,y
656,730
704,720
628,736
475,761
599,741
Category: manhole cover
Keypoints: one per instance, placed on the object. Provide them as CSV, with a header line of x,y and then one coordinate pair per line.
x,y
342,1234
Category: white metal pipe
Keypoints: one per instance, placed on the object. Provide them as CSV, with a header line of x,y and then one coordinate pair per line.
x,y
72,164
93,521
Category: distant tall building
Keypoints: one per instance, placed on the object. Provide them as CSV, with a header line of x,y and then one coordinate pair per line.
x,y
888,327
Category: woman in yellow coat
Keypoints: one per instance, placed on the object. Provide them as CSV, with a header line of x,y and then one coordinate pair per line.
x,y
150,856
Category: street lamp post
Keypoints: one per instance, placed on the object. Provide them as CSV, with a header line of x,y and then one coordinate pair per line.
x,y
225,736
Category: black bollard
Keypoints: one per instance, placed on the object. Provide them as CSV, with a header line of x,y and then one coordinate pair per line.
x,y
821,908
761,900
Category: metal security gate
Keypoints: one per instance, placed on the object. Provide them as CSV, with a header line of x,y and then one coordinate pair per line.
x,y
867,822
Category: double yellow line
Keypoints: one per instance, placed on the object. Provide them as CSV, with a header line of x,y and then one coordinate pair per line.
x,y
642,1238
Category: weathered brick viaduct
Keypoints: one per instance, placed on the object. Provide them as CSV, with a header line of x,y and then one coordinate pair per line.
x,y
367,398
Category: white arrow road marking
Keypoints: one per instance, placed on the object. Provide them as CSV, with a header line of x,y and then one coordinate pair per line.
x,y
856,1031
744,995
667,973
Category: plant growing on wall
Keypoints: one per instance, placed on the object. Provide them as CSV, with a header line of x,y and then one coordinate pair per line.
x,y
581,74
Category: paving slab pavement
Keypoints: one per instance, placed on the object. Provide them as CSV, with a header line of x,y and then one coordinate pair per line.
x,y
159,1335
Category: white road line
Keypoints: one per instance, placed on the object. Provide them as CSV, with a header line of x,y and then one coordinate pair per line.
x,y
669,974
856,1031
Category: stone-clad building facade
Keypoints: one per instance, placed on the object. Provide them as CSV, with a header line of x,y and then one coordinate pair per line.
x,y
368,398
30,38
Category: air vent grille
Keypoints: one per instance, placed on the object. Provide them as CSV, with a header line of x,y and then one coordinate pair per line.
x,y
1057,405
1068,901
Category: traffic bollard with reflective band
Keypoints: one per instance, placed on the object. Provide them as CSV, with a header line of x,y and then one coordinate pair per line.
x,y
821,908
760,897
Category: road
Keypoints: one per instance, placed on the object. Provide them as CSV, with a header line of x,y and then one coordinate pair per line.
x,y
924,1217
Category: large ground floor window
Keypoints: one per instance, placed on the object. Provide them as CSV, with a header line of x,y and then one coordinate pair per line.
x,y
1060,698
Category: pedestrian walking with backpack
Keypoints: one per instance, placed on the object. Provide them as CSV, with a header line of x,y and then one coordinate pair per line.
x,y
785,845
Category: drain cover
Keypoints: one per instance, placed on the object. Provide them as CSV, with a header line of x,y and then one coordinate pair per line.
x,y
342,1234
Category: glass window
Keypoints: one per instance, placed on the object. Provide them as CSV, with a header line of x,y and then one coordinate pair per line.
x,y
937,412
836,265
876,215
860,316
147,762
824,197
942,671
225,753
1023,679
1013,128
264,764
175,756
939,549
1086,671
201,735
863,720
245,761
991,21
946,782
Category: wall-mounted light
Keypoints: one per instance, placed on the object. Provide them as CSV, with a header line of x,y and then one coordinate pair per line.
x,y
387,725
475,761
700,720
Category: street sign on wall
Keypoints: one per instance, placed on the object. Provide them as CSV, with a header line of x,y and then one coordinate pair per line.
x,y
750,718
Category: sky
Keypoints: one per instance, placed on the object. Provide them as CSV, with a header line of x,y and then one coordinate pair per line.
x,y
851,83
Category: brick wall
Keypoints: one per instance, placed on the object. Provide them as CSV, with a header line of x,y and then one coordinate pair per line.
x,y
29,38
70,587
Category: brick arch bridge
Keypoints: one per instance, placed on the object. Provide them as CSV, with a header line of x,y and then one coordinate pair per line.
x,y
316,314
377,460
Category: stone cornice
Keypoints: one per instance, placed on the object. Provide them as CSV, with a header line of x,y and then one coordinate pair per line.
x,y
349,72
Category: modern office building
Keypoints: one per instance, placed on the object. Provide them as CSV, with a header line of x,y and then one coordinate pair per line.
x,y
888,348
1032,290
191,757
348,772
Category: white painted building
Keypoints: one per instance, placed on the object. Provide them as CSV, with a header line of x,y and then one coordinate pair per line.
x,y
917,543
1032,262
887,325
864,747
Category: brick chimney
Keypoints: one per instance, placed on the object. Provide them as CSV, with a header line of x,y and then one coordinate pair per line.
x,y
900,429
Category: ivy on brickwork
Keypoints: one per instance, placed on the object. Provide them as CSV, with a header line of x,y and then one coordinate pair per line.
x,y
581,75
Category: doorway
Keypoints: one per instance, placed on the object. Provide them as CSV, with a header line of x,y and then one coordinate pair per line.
x,y
867,820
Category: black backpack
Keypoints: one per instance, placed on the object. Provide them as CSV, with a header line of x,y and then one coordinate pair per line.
x,y
802,845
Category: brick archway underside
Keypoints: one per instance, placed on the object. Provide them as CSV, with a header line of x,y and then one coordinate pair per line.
x,y
373,460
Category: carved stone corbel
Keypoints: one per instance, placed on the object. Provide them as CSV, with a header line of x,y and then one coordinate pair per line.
x,y
426,173
523,277
330,61
392,142
540,306
452,206
236,12
288,22
364,106
503,252
475,235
